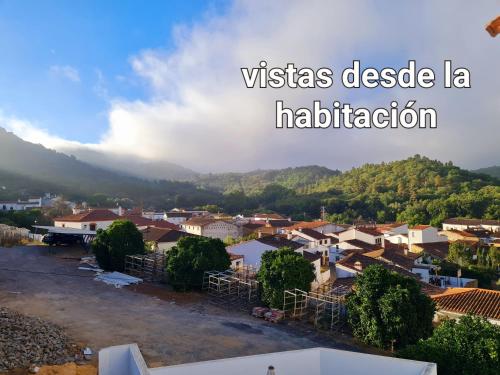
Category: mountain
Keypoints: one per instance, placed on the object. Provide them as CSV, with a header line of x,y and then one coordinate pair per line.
x,y
299,178
133,166
492,171
38,168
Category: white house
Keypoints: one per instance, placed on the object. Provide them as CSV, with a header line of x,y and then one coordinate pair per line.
x,y
252,250
319,226
310,238
21,205
87,220
177,217
464,224
367,235
209,227
127,360
422,234
162,239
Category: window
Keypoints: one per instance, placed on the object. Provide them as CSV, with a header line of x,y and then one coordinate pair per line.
x,y
92,226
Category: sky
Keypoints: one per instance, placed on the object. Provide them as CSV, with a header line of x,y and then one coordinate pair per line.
x,y
160,80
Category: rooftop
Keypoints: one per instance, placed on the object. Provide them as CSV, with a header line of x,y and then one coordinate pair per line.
x,y
314,234
163,234
435,249
483,302
309,224
465,221
89,216
127,360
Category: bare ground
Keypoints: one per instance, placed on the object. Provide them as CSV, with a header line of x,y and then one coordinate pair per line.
x,y
169,327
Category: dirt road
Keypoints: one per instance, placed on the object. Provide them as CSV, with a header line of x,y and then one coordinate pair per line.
x,y
170,328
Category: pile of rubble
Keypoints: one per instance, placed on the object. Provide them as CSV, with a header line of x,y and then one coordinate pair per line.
x,y
27,341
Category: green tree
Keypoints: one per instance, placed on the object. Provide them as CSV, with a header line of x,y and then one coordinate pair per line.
x,y
191,257
280,270
112,245
386,306
468,346
460,253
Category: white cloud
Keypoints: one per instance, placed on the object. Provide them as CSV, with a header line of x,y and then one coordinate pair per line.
x,y
201,115
66,71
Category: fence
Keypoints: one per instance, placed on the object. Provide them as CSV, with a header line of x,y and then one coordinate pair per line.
x,y
324,309
149,267
231,289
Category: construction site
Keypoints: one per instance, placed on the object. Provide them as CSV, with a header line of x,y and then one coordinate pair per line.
x,y
324,308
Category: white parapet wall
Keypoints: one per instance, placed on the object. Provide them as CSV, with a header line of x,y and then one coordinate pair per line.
x,y
127,360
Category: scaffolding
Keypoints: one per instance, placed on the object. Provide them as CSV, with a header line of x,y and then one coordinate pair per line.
x,y
231,289
149,267
324,309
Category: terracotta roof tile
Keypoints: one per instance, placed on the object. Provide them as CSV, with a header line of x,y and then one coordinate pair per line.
x,y
478,301
89,216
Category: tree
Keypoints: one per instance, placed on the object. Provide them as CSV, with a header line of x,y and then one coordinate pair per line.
x,y
112,245
468,346
386,308
460,253
280,270
191,257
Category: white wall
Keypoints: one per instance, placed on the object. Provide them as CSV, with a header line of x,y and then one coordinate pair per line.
x,y
83,225
315,361
251,250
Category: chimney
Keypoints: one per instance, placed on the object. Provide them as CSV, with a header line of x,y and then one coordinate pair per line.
x,y
406,251
358,266
270,371
259,234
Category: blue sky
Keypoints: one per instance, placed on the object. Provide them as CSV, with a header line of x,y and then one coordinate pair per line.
x,y
160,81
41,40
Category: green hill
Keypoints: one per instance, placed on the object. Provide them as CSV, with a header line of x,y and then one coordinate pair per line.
x,y
30,169
492,171
300,179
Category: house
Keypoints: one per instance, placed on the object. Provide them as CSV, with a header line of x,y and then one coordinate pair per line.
x,y
319,226
354,264
275,226
454,235
369,236
310,238
162,239
143,222
251,228
265,217
432,250
252,250
87,220
321,272
237,261
457,302
210,227
392,229
422,234
464,224
177,217
21,205
127,360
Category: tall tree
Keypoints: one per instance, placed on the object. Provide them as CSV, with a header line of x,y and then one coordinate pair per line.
x,y
386,308
469,346
191,257
112,245
280,270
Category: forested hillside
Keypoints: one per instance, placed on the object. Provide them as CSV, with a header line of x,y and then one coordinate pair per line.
x,y
417,190
492,171
300,179
30,169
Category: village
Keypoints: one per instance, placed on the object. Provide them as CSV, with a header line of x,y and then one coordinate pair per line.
x,y
338,255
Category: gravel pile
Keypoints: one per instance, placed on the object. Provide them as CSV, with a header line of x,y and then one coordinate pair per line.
x,y
25,341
